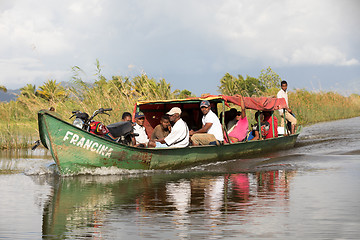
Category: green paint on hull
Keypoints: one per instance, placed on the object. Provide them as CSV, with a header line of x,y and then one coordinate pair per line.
x,y
74,149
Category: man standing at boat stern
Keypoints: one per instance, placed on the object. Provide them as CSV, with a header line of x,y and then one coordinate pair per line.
x,y
283,93
211,132
179,135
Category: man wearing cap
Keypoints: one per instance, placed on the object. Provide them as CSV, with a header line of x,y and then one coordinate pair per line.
x,y
179,135
211,132
142,140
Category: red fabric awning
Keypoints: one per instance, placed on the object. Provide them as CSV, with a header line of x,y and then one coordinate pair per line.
x,y
257,103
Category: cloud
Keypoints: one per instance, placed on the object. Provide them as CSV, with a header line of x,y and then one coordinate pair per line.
x,y
289,32
21,71
321,55
179,39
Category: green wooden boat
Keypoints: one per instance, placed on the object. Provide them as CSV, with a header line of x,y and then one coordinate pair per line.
x,y
74,149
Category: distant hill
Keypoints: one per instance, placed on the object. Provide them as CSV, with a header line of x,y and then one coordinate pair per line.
x,y
10,95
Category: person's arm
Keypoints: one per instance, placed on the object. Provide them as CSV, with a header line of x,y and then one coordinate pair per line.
x,y
204,129
242,105
162,140
257,136
243,111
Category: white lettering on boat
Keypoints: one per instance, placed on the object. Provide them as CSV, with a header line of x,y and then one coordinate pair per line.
x,y
74,139
81,142
87,144
94,146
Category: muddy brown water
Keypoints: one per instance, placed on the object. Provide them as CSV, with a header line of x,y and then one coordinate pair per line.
x,y
308,192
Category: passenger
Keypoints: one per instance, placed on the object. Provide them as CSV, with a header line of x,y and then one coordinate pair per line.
x,y
241,128
268,118
179,135
126,117
265,126
211,132
142,139
162,130
289,116
230,119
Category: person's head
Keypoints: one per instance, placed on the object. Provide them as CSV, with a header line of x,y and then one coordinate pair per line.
x,y
205,106
261,116
140,118
174,114
232,113
238,116
126,117
165,121
284,85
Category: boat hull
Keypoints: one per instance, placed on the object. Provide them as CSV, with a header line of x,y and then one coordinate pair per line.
x,y
74,149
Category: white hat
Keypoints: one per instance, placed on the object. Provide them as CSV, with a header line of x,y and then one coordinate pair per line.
x,y
174,110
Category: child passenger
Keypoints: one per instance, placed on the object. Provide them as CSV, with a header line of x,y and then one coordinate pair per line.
x,y
264,128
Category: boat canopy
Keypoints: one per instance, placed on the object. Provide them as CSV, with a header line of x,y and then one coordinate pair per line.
x,y
255,103
191,114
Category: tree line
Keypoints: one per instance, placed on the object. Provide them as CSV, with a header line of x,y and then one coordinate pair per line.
x,y
143,87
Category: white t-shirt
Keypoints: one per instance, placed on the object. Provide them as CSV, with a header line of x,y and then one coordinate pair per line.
x,y
142,138
283,94
215,128
179,135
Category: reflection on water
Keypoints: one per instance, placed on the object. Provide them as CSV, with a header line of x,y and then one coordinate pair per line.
x,y
25,160
91,206
307,192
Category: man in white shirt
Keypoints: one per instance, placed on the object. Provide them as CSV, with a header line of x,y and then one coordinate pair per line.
x,y
142,140
211,132
283,93
179,134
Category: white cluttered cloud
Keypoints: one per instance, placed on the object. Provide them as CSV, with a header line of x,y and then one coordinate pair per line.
x,y
43,39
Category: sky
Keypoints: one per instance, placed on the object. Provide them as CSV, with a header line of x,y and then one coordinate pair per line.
x,y
191,43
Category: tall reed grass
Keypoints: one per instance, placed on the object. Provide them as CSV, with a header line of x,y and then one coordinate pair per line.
x,y
311,107
19,118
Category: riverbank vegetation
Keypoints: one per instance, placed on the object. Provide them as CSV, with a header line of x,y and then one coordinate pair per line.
x,y
19,118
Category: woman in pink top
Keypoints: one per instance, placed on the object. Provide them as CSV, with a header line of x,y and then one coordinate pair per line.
x,y
241,128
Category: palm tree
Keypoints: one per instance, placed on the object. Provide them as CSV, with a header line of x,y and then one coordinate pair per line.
x,y
229,85
28,91
52,91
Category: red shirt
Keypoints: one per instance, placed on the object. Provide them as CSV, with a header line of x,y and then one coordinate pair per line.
x,y
270,134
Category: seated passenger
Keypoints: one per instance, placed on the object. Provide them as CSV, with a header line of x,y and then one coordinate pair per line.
x,y
268,118
162,130
230,119
142,139
211,132
241,128
179,135
265,126
126,117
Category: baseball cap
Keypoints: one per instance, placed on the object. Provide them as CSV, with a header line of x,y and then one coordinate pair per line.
x,y
174,110
204,103
139,115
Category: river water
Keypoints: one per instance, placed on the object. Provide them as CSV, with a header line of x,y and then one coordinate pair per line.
x,y
309,192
